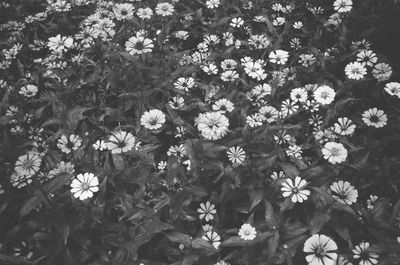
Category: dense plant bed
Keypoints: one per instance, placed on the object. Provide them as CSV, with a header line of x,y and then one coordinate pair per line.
x,y
199,132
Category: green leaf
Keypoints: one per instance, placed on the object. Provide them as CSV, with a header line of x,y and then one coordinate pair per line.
x,y
32,203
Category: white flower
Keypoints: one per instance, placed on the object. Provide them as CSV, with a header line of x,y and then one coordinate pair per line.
x,y
268,113
153,119
334,152
139,45
355,71
223,105
343,6
382,71
66,145
213,238
28,164
367,58
393,89
184,83
320,250
164,9
279,57
206,211
212,125
28,91
294,151
60,43
247,232
84,186
121,142
344,126
295,190
298,94
324,95
365,255
100,145
211,4
123,11
236,154
344,192
375,118
144,13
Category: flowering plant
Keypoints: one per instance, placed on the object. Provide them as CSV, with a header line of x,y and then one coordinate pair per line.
x,y
199,132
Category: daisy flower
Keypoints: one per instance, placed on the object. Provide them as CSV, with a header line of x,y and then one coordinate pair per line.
x,y
206,211
371,201
236,154
164,9
269,113
228,64
344,192
121,142
393,89
144,13
382,72
67,144
223,105
298,94
343,6
139,45
324,95
84,185
211,4
344,126
229,75
59,43
212,125
153,119
123,11
176,102
255,120
247,232
296,190
277,175
365,256
213,238
237,22
367,58
279,57
28,91
355,70
375,118
320,250
28,164
177,150
184,84
259,41
334,152
294,151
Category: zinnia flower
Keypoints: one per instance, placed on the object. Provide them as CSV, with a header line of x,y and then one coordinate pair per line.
x,y
320,250
153,119
334,152
247,232
121,142
344,192
212,125
84,186
206,211
375,118
295,190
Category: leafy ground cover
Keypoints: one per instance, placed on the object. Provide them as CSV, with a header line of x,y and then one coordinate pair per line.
x,y
199,132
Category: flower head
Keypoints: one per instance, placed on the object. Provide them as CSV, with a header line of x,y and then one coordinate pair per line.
x,y
153,119
121,142
212,125
207,211
84,185
295,189
375,118
365,256
344,192
320,250
247,232
334,152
